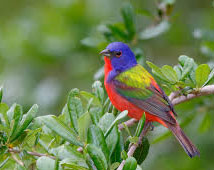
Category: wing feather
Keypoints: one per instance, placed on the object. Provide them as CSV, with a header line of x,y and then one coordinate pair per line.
x,y
136,86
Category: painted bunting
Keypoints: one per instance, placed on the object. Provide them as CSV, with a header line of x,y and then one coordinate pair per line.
x,y
131,87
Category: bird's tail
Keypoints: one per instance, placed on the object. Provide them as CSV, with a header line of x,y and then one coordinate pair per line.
x,y
185,142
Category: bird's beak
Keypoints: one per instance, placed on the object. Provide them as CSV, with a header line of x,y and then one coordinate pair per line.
x,y
106,52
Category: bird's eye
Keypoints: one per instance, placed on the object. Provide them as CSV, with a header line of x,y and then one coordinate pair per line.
x,y
118,54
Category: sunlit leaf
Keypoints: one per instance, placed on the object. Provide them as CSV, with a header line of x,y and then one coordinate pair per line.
x,y
26,120
130,164
61,129
169,73
202,74
112,139
187,64
210,78
157,71
98,90
95,136
45,163
120,116
84,121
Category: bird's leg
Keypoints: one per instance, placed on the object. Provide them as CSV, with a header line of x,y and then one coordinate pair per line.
x,y
152,126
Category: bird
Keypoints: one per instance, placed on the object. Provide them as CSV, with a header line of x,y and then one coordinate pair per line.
x,y
131,87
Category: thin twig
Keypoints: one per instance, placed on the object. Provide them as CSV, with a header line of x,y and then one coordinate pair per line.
x,y
207,90
134,146
128,123
16,159
31,153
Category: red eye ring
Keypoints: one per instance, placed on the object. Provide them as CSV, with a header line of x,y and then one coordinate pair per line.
x,y
118,54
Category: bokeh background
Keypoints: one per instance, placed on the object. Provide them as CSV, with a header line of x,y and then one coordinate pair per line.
x,y
49,47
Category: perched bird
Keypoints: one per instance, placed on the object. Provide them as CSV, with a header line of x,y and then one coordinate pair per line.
x,y
130,87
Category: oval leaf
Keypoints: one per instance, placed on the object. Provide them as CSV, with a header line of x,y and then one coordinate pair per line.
x,y
96,137
131,164
201,74
61,129
97,156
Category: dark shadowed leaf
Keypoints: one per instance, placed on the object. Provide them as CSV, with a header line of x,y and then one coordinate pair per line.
x,y
97,156
130,164
142,151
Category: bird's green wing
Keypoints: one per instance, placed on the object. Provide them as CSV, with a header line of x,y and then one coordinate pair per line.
x,y
138,87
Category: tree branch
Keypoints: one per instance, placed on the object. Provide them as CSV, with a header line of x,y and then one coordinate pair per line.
x,y
31,153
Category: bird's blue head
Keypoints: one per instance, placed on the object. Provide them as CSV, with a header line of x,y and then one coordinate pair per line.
x,y
121,56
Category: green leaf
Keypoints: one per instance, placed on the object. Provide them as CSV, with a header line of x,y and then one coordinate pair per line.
x,y
140,125
95,114
84,121
95,136
202,74
75,107
118,31
3,110
169,73
74,164
120,116
206,123
66,151
142,151
157,71
187,64
26,120
98,90
210,78
154,31
87,96
17,115
178,70
45,163
97,156
130,164
116,155
61,129
113,137
1,93
129,19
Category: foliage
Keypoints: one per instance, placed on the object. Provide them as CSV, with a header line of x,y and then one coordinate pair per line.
x,y
85,134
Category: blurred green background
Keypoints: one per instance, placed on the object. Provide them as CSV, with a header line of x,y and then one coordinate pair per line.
x,y
49,47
